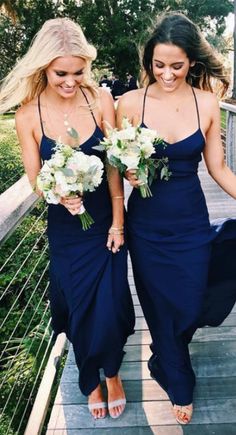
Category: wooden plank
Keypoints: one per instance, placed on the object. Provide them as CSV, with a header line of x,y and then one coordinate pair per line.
x,y
202,334
209,429
203,367
143,414
211,348
138,311
149,390
141,323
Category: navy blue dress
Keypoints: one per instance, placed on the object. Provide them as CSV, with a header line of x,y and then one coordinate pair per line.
x,y
169,238
89,292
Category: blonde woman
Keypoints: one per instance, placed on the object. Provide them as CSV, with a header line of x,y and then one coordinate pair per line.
x,y
89,293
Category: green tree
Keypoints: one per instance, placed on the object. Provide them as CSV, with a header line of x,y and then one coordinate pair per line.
x,y
15,36
118,28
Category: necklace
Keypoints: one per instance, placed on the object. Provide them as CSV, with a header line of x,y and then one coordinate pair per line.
x,y
69,130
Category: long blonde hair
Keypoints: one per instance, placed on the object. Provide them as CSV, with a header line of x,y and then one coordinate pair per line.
x,y
57,37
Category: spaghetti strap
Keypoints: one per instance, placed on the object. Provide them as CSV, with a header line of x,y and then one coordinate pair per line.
x,y
195,98
144,101
40,115
86,98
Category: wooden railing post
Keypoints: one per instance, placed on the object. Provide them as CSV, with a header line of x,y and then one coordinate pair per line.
x,y
231,141
230,135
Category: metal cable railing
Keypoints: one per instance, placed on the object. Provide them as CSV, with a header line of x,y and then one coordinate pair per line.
x,y
34,314
25,321
23,287
34,226
22,368
7,183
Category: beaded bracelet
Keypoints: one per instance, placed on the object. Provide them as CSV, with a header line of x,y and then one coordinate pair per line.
x,y
118,197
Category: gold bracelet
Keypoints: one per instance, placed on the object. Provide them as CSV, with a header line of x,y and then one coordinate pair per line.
x,y
118,197
117,228
116,233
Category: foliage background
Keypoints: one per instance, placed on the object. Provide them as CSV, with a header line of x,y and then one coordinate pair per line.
x,y
23,337
116,28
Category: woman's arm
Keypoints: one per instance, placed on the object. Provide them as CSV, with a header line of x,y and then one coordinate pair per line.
x,y
214,153
115,237
29,147
31,155
128,108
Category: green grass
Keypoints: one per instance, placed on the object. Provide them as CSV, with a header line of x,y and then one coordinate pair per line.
x,y
11,167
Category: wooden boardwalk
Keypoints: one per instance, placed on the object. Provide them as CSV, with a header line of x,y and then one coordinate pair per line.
x,y
148,410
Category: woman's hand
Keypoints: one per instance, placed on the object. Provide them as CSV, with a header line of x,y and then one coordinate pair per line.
x,y
72,203
131,176
115,239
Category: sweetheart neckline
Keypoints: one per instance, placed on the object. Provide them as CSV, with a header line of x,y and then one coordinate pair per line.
x,y
87,140
181,140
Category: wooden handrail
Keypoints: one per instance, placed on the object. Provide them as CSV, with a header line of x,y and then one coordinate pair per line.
x,y
42,400
15,203
227,106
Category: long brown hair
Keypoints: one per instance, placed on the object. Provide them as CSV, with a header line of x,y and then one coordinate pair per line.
x,y
177,29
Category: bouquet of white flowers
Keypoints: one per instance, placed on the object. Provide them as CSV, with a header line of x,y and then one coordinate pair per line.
x,y
67,173
131,148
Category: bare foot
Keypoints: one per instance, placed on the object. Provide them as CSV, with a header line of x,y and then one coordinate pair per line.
x,y
183,414
96,404
116,396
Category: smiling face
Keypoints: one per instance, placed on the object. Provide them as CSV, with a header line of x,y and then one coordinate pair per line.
x,y
65,75
170,66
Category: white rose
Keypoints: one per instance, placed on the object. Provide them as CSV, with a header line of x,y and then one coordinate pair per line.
x,y
114,151
147,133
127,134
82,162
97,178
58,160
147,149
131,161
96,161
51,197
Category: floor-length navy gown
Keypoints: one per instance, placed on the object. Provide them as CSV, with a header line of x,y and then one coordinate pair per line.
x,y
169,238
89,292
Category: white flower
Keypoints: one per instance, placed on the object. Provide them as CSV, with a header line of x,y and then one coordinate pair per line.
x,y
125,123
52,198
127,134
147,149
147,133
69,171
130,161
58,160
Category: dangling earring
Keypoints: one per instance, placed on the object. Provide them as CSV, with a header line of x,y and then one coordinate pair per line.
x,y
202,72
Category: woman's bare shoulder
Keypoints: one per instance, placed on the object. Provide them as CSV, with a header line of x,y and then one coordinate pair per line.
x,y
206,98
131,98
27,112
